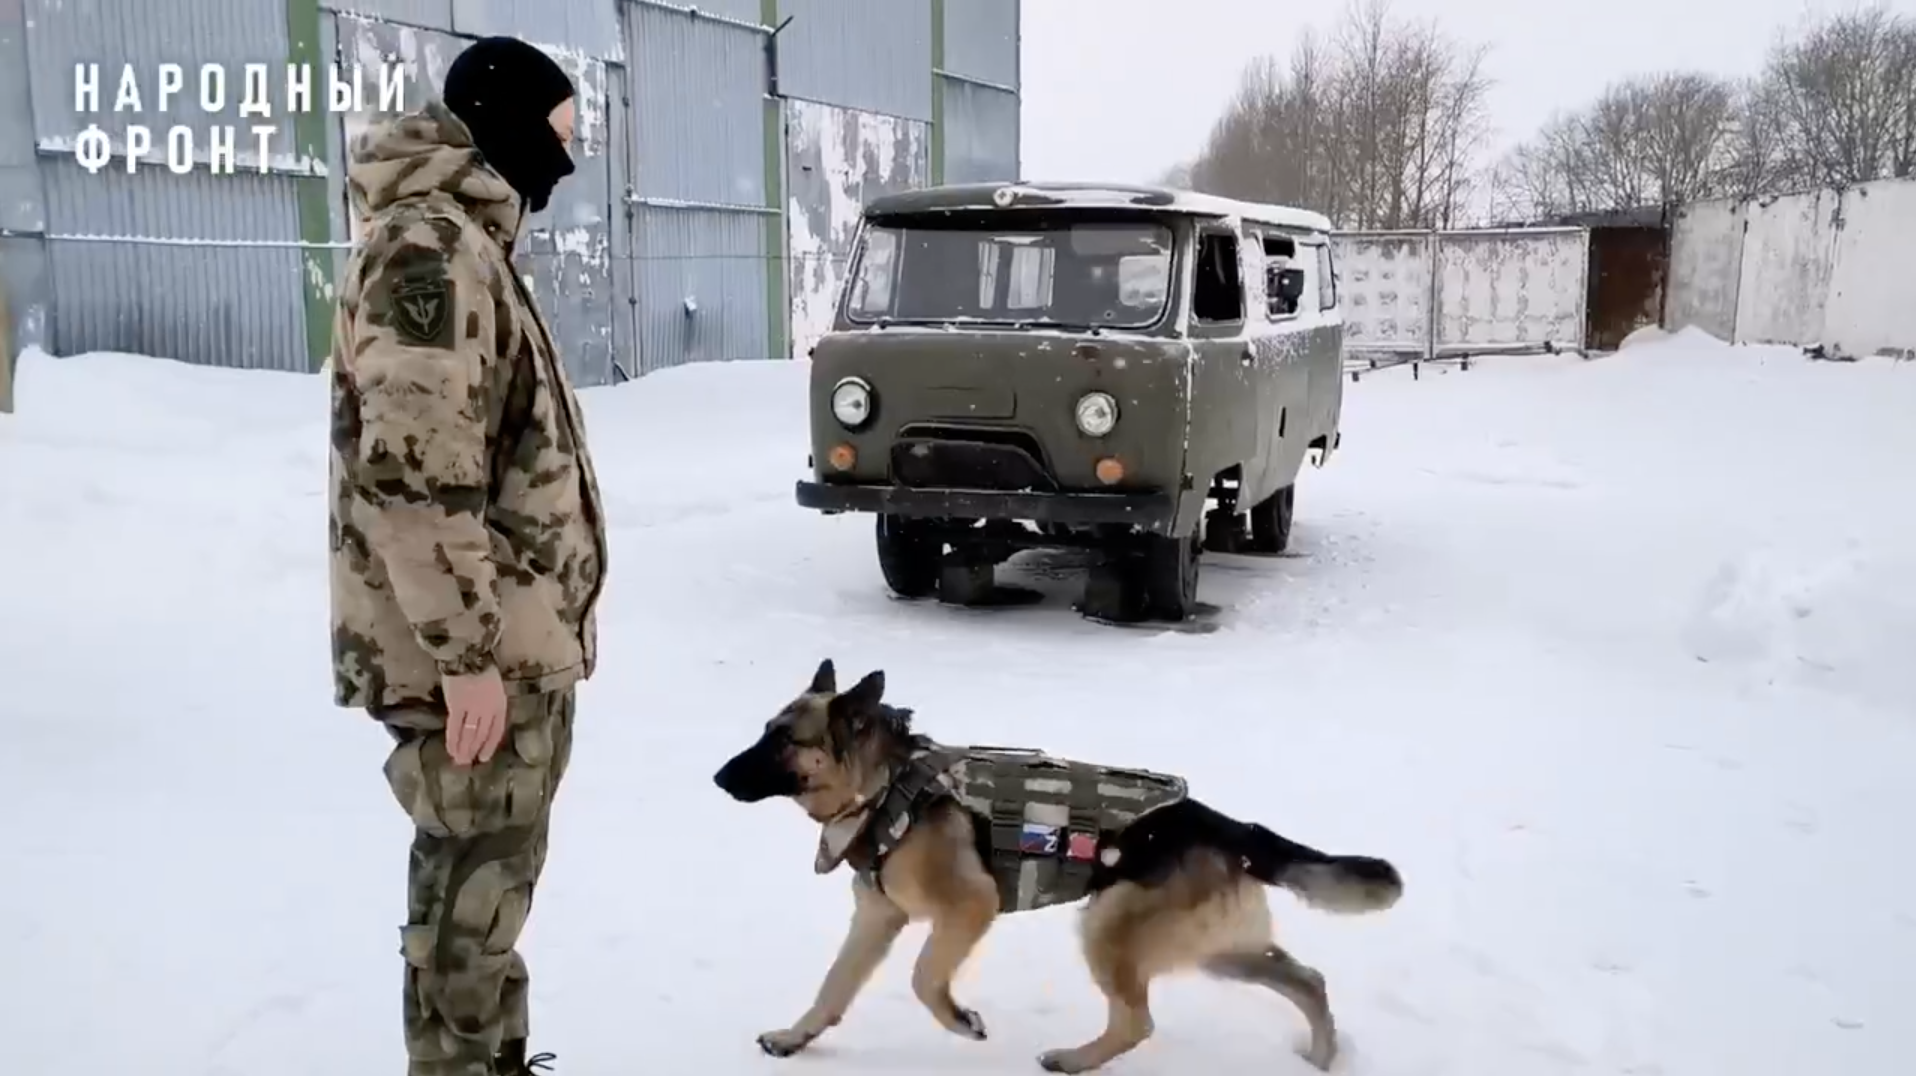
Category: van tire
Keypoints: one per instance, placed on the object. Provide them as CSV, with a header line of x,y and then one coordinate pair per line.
x,y
1271,521
908,558
1168,574
1112,591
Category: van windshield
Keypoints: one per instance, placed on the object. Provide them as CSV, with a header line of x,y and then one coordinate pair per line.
x,y
1070,275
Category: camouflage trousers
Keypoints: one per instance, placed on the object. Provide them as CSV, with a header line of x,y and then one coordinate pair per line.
x,y
479,844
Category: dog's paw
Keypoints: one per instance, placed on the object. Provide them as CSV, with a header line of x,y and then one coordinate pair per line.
x,y
784,1043
970,1024
1065,1061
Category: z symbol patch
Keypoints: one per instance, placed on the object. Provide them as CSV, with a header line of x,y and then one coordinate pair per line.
x,y
419,310
1038,840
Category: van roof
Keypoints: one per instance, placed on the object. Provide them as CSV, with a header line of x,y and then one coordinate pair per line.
x,y
956,196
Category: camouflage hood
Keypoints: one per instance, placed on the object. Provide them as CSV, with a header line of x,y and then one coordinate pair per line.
x,y
428,153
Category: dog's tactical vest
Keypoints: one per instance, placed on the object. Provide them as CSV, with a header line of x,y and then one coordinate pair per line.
x,y
1051,821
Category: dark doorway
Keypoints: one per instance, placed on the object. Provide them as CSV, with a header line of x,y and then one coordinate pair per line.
x,y
1627,271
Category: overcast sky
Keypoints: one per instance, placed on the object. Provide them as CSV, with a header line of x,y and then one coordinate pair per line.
x,y
1122,89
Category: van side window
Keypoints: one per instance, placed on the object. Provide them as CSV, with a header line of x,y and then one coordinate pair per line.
x,y
1326,279
1218,291
1280,253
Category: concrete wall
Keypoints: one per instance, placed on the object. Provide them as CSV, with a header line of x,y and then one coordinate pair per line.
x,y
1706,268
1425,294
708,220
1822,267
1871,306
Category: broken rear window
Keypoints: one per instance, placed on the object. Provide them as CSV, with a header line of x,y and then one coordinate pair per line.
x,y
1109,275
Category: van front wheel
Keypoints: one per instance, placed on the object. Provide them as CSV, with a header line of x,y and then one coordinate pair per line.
x,y
1168,572
908,557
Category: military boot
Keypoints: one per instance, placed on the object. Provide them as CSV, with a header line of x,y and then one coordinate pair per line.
x,y
512,1060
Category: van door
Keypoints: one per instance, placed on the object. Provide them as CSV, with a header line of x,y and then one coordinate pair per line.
x,y
1224,406
1327,354
1275,330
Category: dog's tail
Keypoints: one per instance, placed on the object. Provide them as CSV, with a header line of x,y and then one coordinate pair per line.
x,y
1345,885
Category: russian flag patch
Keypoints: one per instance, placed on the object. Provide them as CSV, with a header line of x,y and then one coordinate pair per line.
x,y
1038,840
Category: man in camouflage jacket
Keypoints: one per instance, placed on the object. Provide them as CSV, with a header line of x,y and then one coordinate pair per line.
x,y
468,544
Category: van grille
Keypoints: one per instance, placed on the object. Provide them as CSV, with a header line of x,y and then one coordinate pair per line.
x,y
958,457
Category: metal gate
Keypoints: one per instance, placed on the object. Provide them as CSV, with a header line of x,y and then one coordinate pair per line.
x,y
1432,294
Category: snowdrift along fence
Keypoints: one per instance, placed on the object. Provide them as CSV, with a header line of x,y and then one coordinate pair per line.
x,y
1829,267
1435,294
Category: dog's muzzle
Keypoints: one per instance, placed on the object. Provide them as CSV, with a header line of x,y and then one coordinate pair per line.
x,y
757,773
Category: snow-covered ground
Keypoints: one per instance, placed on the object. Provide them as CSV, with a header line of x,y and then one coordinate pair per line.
x,y
1616,659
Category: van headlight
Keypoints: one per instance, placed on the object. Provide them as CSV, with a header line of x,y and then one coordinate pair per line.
x,y
851,402
1097,413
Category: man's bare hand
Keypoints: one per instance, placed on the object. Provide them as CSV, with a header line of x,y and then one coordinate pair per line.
x,y
475,716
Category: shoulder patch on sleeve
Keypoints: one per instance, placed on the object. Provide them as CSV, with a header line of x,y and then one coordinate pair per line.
x,y
412,295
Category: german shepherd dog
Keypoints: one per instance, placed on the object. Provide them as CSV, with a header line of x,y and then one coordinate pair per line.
x,y
1181,888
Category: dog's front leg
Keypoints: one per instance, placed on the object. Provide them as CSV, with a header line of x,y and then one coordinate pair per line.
x,y
955,932
876,922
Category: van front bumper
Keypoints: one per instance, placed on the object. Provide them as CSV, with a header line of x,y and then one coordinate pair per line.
x,y
1153,513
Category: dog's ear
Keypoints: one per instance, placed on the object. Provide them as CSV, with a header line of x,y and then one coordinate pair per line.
x,y
850,714
863,697
825,680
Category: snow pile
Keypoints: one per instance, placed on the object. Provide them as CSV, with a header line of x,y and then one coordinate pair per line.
x,y
1840,619
1644,334
1611,657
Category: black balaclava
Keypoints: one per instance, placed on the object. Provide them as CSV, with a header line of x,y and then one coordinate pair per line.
x,y
505,90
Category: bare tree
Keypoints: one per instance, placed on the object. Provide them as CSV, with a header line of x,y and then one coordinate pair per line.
x,y
1379,126
1844,91
1759,161
1648,141
1687,122
1543,177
